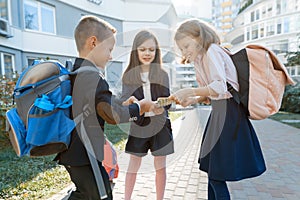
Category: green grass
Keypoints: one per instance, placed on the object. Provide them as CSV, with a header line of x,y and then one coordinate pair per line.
x,y
281,116
117,134
40,178
29,178
174,115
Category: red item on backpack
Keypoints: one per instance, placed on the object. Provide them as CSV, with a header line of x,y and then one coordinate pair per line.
x,y
110,162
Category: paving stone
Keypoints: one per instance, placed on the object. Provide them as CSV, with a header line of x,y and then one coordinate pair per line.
x,y
281,150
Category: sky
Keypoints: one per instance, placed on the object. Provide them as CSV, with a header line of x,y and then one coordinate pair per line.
x,y
202,8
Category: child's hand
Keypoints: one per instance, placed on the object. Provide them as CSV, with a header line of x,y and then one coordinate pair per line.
x,y
183,96
148,106
188,101
157,110
129,101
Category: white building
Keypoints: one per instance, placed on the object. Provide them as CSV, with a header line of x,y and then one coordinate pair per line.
x,y
35,29
185,76
271,23
223,14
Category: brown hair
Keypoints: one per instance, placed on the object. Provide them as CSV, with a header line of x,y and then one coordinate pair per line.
x,y
92,26
133,70
199,30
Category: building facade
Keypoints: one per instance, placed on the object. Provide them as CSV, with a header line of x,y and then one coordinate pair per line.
x,y
185,76
271,23
43,29
223,14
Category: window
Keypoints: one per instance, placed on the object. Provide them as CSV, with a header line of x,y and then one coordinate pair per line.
x,y
278,7
297,22
263,12
254,32
286,25
293,71
7,65
39,17
4,9
283,7
247,34
30,61
279,26
252,16
257,14
270,28
270,10
262,30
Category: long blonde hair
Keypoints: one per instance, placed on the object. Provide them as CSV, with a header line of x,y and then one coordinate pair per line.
x,y
199,30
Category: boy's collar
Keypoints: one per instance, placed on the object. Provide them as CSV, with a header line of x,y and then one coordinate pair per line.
x,y
81,62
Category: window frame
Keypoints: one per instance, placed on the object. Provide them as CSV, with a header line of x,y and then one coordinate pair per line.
x,y
40,6
8,7
2,63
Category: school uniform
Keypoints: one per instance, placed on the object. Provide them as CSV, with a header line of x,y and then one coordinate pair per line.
x,y
230,150
150,132
90,88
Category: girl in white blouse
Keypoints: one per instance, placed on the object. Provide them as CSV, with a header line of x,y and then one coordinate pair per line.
x,y
144,78
230,150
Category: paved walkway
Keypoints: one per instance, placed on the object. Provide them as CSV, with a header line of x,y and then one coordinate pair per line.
x,y
281,148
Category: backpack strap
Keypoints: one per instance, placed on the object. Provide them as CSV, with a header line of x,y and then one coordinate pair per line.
x,y
90,151
87,111
236,98
233,92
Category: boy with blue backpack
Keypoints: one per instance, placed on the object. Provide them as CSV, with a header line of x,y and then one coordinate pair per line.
x,y
93,100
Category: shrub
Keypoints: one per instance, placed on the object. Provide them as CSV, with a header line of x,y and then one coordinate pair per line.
x,y
7,86
291,98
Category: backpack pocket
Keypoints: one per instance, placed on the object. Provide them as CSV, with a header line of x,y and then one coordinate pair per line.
x,y
17,132
48,131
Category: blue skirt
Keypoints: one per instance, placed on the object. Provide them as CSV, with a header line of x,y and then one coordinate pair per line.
x,y
230,150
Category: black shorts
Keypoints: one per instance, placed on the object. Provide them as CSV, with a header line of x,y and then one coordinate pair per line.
x,y
160,144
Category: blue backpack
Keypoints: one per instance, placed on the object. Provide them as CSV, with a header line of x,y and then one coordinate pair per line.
x,y
40,123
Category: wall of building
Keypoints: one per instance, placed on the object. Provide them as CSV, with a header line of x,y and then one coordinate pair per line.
x,y
274,24
25,45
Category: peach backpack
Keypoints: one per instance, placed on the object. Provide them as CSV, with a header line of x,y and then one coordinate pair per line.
x,y
262,79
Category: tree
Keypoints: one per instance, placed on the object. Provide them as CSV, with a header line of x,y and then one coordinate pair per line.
x,y
291,97
293,58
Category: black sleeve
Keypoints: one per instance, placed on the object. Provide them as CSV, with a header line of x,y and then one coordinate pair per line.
x,y
126,92
111,109
165,88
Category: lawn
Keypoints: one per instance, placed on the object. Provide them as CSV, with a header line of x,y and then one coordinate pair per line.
x,y
29,178
40,178
292,119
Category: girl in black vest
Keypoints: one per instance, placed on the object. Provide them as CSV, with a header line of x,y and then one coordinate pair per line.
x,y
144,78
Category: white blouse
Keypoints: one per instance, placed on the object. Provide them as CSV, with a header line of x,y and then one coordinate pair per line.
x,y
214,69
147,90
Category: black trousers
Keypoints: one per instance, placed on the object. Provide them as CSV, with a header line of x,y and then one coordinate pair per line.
x,y
217,190
85,182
